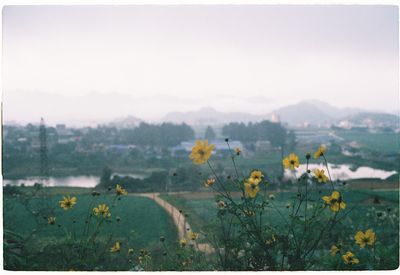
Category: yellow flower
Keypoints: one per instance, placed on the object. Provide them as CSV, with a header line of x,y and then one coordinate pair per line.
x,y
209,182
183,242
321,150
201,152
320,175
116,247
349,258
67,202
102,210
51,220
251,188
334,201
334,250
144,256
257,176
365,238
144,253
271,196
193,236
120,190
291,162
249,213
221,204
271,241
238,151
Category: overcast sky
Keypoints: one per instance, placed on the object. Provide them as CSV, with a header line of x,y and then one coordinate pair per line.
x,y
344,55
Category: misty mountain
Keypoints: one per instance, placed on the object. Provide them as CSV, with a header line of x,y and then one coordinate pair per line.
x,y
100,108
333,111
125,122
122,110
210,116
312,112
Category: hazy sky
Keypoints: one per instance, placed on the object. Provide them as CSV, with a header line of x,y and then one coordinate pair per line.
x,y
344,55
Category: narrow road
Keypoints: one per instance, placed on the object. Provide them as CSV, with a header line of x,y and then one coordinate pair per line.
x,y
179,219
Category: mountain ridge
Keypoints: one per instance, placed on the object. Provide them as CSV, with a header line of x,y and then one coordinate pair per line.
x,y
306,111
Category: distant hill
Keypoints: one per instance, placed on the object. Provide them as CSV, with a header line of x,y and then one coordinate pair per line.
x,y
333,111
312,112
125,122
210,116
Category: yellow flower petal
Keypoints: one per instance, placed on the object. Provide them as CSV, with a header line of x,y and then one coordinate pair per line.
x,y
327,199
335,195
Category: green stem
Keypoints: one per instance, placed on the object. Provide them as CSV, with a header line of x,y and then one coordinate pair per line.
x,y
329,174
233,159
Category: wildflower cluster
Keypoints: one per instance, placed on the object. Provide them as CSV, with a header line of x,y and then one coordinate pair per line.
x,y
305,220
87,241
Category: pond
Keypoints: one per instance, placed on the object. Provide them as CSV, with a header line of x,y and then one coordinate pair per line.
x,y
73,181
344,172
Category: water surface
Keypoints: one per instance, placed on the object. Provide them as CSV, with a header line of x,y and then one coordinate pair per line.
x,y
344,172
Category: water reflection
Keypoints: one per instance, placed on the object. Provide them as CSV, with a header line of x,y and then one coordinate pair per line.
x,y
75,181
344,172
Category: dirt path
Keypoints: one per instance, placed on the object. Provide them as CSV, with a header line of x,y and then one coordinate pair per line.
x,y
179,219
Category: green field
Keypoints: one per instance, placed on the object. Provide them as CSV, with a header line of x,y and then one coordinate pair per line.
x,y
141,220
203,211
136,222
379,142
375,209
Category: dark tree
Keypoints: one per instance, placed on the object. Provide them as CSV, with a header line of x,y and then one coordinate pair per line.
x,y
105,179
209,134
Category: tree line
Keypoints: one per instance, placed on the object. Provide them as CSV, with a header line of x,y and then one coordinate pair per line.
x,y
266,130
165,134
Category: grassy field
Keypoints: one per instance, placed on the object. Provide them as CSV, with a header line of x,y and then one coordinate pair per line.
x,y
380,142
141,220
135,222
376,209
203,209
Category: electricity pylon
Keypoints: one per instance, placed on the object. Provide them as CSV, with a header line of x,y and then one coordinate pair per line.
x,y
44,172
